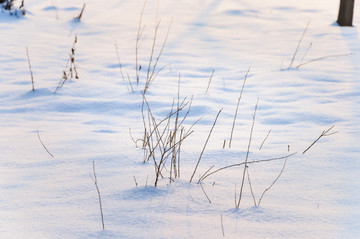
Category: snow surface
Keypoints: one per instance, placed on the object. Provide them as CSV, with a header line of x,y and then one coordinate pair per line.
x,y
88,119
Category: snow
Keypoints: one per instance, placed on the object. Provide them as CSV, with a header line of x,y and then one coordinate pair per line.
x,y
88,120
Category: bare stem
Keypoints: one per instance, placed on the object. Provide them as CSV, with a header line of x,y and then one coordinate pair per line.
x,y
152,71
98,191
321,58
207,140
138,37
251,190
237,107
151,56
249,162
247,155
264,140
31,73
43,144
307,50
324,133
201,178
297,48
78,18
205,193
222,225
211,76
267,189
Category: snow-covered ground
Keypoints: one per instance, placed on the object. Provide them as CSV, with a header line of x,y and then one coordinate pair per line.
x,y
88,120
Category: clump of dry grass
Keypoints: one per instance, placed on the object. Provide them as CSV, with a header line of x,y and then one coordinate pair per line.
x,y
162,139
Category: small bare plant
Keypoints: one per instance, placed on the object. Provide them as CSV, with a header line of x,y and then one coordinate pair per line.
x,y
151,67
323,134
298,45
302,63
70,72
246,163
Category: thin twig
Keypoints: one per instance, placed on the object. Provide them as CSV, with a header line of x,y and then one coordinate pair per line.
x,y
324,57
264,140
324,133
98,191
251,189
235,194
78,18
178,153
207,140
249,162
175,132
153,68
132,138
297,48
222,225
138,37
212,74
267,189
200,179
147,83
237,107
43,144
31,73
247,155
307,50
205,193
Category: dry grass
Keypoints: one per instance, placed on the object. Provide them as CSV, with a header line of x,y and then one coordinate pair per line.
x,y
162,139
70,72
